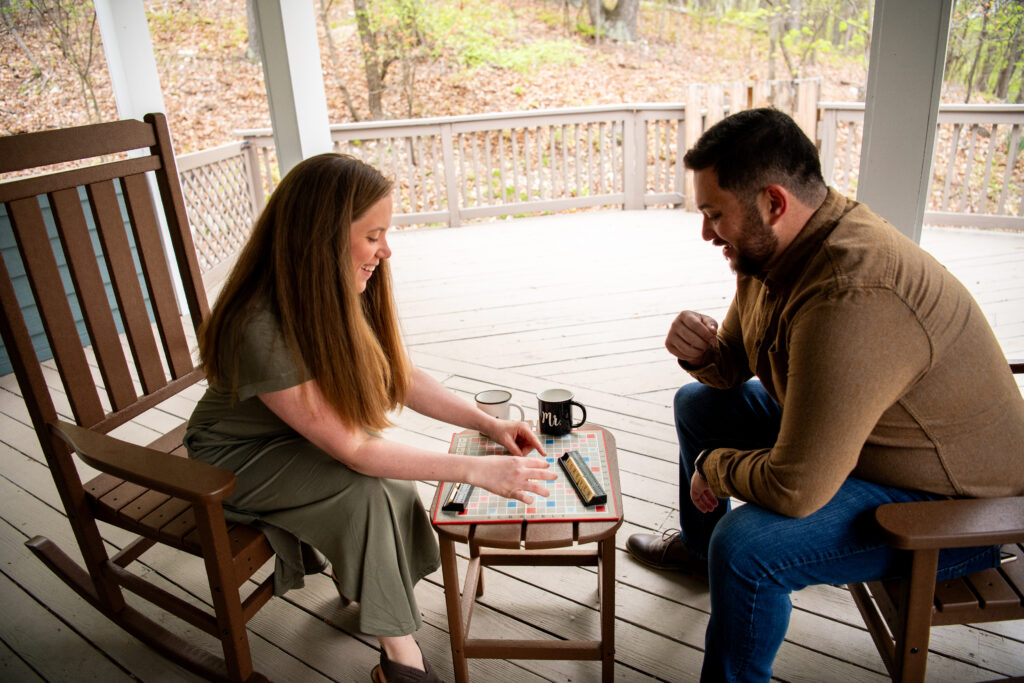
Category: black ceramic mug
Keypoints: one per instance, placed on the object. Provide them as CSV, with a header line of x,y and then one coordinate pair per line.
x,y
554,410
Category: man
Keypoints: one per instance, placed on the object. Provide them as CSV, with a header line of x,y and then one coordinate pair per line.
x,y
878,380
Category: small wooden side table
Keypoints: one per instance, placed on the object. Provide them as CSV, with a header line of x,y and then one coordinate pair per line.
x,y
538,544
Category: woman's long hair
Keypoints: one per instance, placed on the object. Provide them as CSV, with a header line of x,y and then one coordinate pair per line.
x,y
297,262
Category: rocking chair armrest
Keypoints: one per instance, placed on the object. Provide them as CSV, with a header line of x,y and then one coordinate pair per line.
x,y
174,475
959,523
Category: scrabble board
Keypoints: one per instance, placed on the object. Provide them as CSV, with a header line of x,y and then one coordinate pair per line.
x,y
563,504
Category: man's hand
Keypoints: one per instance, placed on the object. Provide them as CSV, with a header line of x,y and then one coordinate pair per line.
x,y
690,337
701,494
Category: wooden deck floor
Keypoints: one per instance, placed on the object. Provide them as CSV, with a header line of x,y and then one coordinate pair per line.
x,y
580,301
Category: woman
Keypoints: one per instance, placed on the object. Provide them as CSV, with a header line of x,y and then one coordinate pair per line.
x,y
304,361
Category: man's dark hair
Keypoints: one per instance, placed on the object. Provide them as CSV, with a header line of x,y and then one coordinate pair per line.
x,y
755,148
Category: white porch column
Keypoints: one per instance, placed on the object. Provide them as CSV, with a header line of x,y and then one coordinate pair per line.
x,y
908,53
136,84
130,60
294,79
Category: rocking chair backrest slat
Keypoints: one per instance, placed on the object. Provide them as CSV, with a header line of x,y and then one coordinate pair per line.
x,y
157,276
117,251
85,273
178,224
58,321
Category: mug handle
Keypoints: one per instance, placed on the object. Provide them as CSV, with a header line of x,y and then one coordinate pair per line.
x,y
522,413
582,419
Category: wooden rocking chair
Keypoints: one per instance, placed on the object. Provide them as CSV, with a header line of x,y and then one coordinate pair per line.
x,y
899,614
109,377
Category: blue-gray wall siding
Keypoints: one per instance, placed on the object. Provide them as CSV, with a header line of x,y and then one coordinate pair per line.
x,y
17,271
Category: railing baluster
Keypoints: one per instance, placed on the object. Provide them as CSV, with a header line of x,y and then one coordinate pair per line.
x,y
576,164
588,134
1010,162
964,194
988,167
950,167
464,180
553,153
515,163
852,129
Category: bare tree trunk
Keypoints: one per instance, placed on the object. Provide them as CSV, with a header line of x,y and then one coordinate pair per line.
x,y
1012,57
332,54
977,55
374,67
619,24
622,21
409,84
253,50
596,10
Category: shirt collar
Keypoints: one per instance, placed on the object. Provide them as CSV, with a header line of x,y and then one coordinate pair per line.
x,y
808,241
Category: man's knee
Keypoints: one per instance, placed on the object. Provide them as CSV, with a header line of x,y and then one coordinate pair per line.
x,y
689,400
748,545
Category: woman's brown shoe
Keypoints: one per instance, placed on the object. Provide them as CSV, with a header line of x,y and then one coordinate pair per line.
x,y
393,672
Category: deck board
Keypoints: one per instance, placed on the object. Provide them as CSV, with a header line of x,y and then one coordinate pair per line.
x,y
581,301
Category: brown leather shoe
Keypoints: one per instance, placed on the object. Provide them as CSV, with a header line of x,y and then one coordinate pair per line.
x,y
393,672
666,551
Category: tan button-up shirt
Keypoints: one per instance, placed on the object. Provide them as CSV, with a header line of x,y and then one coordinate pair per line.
x,y
884,365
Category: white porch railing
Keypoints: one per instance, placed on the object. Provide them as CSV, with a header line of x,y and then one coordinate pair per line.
x,y
456,169
451,170
977,168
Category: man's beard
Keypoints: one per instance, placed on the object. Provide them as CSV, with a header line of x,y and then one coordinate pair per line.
x,y
757,245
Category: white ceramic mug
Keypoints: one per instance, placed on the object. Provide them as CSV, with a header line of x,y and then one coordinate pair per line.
x,y
497,402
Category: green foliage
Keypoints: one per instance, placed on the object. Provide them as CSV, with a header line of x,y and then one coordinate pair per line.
x,y
173,20
481,33
552,19
809,30
985,48
238,32
398,26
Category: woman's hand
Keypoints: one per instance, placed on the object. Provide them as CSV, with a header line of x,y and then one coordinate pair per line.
x,y
516,437
511,477
508,475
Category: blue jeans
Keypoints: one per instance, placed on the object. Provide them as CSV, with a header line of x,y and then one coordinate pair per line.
x,y
756,558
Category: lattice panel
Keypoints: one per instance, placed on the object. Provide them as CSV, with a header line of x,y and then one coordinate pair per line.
x,y
218,197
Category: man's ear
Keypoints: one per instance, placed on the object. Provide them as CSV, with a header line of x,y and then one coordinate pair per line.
x,y
777,201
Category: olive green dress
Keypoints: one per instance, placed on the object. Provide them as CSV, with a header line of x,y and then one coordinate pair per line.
x,y
374,531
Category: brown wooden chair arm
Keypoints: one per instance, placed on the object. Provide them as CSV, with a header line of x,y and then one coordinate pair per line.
x,y
959,523
181,477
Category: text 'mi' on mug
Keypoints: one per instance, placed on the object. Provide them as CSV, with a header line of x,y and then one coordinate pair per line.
x,y
554,410
496,403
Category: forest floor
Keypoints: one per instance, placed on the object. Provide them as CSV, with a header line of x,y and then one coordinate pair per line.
x,y
212,90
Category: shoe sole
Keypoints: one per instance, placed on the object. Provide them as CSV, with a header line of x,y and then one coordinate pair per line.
x,y
679,569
